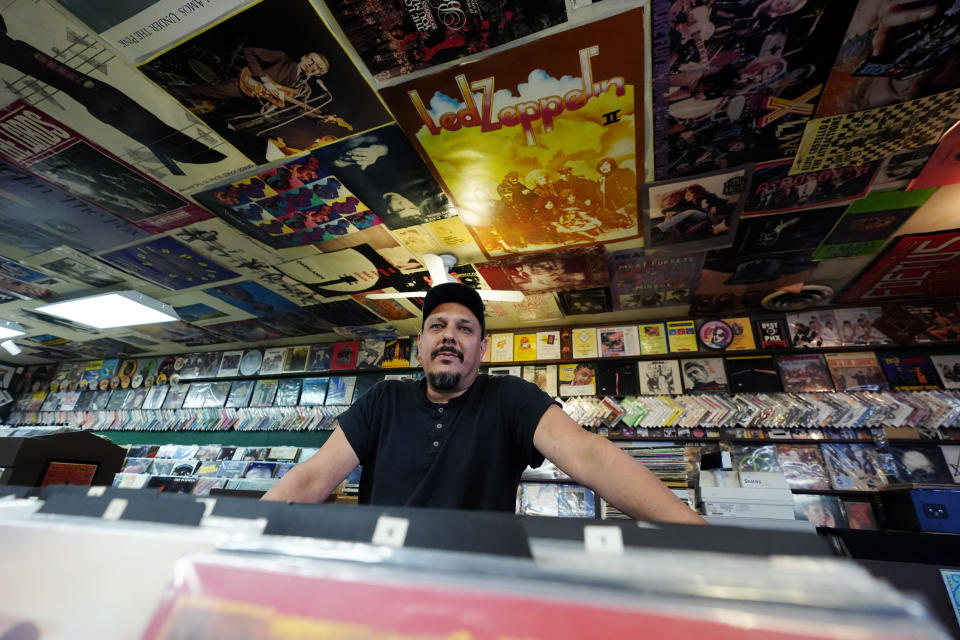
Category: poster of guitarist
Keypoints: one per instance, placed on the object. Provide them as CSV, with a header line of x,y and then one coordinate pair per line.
x,y
291,89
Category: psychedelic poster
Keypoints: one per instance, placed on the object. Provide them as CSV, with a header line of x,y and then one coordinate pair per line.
x,y
773,189
33,140
735,82
168,263
383,169
894,51
65,70
537,145
272,80
37,217
920,265
638,281
295,204
395,38
696,214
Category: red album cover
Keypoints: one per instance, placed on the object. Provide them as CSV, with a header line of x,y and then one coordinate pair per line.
x,y
72,473
345,355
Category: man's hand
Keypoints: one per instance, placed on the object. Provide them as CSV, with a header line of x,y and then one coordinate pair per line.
x,y
896,13
274,90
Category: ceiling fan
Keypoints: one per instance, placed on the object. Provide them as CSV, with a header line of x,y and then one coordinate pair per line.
x,y
439,267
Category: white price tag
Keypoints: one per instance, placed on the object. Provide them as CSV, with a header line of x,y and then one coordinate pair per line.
x,y
390,531
115,509
93,492
208,505
603,539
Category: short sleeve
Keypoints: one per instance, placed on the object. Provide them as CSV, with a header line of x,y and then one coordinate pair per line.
x,y
524,403
358,425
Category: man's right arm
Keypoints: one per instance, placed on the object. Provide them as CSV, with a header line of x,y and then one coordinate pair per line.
x,y
313,480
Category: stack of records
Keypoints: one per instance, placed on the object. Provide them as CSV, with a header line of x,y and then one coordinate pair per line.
x,y
667,463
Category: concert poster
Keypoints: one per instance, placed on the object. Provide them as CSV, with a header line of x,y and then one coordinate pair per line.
x,y
696,214
782,232
925,264
68,72
564,270
867,224
552,134
272,80
892,53
295,204
773,189
855,138
943,167
858,371
639,281
396,38
168,263
537,307
383,170
33,140
735,82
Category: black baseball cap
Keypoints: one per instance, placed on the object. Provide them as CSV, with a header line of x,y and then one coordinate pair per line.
x,y
454,292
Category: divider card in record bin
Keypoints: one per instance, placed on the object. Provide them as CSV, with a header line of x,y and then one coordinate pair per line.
x,y
551,132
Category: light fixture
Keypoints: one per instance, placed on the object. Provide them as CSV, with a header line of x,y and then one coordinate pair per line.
x,y
115,309
10,329
11,347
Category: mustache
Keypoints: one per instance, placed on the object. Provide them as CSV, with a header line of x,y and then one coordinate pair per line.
x,y
451,350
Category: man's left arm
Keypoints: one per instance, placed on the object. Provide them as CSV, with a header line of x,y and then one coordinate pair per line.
x,y
597,463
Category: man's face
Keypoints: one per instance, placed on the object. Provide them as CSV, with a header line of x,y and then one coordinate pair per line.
x,y
696,374
313,64
820,516
451,346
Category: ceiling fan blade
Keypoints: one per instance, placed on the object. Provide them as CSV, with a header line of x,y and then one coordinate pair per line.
x,y
391,296
500,295
438,271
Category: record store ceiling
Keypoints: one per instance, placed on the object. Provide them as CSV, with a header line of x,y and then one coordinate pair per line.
x,y
264,166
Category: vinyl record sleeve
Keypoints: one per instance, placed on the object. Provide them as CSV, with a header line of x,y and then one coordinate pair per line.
x,y
801,373
803,466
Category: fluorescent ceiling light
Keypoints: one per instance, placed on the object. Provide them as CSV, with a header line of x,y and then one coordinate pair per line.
x,y
11,347
108,310
10,330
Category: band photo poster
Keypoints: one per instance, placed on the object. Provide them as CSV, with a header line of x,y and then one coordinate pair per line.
x,y
272,80
553,139
68,72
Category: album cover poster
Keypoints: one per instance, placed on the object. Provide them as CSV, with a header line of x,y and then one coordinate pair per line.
x,y
319,359
813,329
240,393
64,158
295,359
951,454
253,298
736,82
853,466
66,220
659,377
168,263
264,393
65,70
856,371
274,81
867,224
820,511
803,373
704,374
773,190
915,265
314,391
695,214
396,38
370,354
858,326
562,270
803,466
639,281
385,172
340,390
653,339
921,463
396,353
943,167
936,322
948,368
617,379
873,134
682,335
890,54
585,301
909,372
859,514
296,204
786,232
344,355
577,379
542,375
743,338
288,393
552,130
750,457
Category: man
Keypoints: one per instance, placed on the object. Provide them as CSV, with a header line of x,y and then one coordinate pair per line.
x,y
461,440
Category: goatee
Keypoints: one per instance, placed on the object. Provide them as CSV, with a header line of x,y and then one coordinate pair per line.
x,y
443,381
